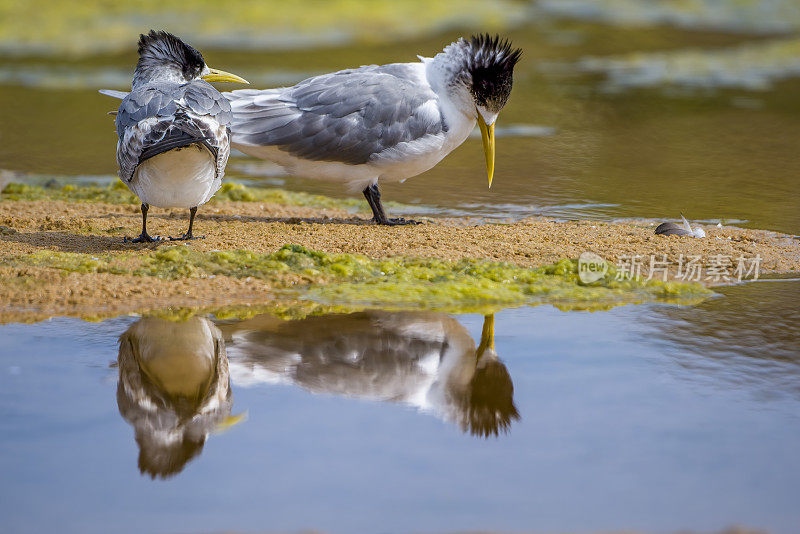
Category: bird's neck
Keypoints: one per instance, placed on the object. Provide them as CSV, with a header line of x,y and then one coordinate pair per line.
x,y
146,74
448,76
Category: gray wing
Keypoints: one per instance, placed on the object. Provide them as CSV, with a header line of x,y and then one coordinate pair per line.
x,y
160,117
350,116
669,228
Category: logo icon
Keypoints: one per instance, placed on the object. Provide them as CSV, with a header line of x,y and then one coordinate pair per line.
x,y
591,267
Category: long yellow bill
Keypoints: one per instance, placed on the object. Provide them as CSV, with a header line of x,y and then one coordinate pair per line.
x,y
487,336
487,134
215,75
229,422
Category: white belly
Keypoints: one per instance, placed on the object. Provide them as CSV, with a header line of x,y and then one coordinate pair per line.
x,y
356,177
181,178
415,157
396,164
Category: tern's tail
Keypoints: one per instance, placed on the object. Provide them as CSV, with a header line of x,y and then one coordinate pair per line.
x,y
114,94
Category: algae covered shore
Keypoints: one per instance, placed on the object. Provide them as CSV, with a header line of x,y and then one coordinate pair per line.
x,y
62,253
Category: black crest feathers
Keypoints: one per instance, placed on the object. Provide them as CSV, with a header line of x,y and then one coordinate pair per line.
x,y
491,62
163,49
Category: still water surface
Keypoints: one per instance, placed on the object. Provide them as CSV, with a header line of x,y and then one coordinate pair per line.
x,y
374,421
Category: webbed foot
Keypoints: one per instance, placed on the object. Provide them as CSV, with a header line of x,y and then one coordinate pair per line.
x,y
144,237
398,221
187,237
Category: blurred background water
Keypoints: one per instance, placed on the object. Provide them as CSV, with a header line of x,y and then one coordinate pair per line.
x,y
655,418
619,109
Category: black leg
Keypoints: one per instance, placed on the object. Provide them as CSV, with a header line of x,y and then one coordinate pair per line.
x,y
188,235
192,213
373,196
144,237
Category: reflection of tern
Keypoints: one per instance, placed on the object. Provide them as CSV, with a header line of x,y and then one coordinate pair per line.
x,y
174,388
423,359
379,122
669,228
173,128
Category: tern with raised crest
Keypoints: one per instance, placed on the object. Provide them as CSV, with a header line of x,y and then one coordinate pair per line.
x,y
379,123
173,128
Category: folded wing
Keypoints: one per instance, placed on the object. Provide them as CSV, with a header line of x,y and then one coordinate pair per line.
x,y
161,117
351,116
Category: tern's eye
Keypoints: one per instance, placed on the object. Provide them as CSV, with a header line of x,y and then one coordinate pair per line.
x,y
192,70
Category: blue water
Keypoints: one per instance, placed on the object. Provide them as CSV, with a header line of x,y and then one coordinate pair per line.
x,y
627,421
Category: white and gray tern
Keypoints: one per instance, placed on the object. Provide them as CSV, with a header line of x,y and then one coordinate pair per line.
x,y
379,123
173,128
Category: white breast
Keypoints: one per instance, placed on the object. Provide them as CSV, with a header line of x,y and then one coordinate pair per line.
x,y
180,178
414,157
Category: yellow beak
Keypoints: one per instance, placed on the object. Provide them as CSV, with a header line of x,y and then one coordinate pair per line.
x,y
487,134
487,336
229,422
215,75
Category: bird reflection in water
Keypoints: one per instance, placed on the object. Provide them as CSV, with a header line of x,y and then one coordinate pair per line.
x,y
423,359
174,388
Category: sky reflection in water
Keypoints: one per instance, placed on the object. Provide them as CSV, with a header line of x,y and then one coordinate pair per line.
x,y
354,420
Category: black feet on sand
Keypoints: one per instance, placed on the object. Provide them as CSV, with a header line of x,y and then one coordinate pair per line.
x,y
373,196
399,221
187,237
144,237
371,193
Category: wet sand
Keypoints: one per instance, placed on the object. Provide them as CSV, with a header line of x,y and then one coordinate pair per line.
x,y
28,227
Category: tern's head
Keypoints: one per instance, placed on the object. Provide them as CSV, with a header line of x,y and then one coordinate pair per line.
x,y
479,73
490,73
165,57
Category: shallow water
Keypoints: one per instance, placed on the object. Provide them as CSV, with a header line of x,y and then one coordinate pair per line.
x,y
372,421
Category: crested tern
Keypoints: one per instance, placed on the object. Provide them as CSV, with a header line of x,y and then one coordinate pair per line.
x,y
173,128
379,123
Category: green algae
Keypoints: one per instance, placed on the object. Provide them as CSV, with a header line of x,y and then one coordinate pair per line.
x,y
71,262
315,267
49,28
476,285
283,309
118,193
351,279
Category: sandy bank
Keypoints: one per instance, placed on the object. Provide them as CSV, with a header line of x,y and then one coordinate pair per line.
x,y
35,285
